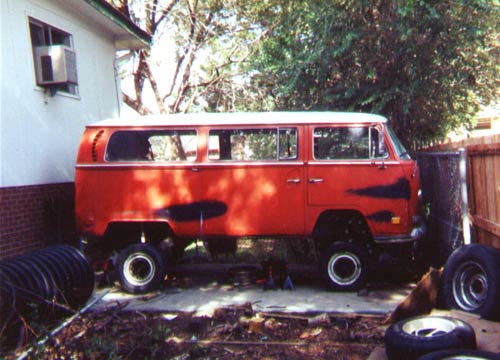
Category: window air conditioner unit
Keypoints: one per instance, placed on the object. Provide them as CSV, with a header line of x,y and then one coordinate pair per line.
x,y
55,65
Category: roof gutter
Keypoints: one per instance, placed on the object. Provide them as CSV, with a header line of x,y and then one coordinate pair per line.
x,y
106,9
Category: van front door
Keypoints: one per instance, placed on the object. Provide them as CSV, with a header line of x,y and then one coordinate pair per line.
x,y
256,177
352,170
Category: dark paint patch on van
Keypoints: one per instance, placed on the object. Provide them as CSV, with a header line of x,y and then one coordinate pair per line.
x,y
193,211
399,190
381,216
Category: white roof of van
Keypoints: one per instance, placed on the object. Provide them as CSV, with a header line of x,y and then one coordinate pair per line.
x,y
243,118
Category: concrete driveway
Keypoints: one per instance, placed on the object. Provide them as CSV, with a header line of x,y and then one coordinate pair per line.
x,y
204,288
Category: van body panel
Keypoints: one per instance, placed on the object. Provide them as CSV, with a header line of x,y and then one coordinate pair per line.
x,y
353,180
141,193
380,195
261,199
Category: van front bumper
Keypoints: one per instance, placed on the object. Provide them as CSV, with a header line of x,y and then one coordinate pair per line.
x,y
416,234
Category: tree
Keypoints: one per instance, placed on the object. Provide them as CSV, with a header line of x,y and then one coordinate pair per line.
x,y
426,65
197,57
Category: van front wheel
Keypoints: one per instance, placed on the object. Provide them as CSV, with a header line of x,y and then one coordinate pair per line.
x,y
141,268
344,266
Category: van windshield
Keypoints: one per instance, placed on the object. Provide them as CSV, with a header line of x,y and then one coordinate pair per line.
x,y
398,145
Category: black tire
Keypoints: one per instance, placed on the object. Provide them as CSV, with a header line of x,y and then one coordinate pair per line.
x,y
47,276
141,268
11,325
41,282
82,275
344,266
471,281
64,272
56,277
414,337
23,279
460,355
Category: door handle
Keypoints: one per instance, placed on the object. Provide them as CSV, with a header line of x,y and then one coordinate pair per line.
x,y
316,180
293,181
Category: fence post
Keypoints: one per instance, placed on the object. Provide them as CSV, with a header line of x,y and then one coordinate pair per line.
x,y
463,192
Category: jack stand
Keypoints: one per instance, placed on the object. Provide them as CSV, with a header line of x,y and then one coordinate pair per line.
x,y
288,284
270,285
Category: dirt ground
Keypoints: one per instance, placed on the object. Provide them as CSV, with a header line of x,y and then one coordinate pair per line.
x,y
238,331
234,332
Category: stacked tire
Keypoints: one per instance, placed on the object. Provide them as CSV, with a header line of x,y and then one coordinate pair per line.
x,y
411,338
39,284
433,338
471,281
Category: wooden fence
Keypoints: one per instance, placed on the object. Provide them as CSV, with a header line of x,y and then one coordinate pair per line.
x,y
483,184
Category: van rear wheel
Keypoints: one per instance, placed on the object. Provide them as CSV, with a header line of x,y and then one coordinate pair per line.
x,y
141,268
344,266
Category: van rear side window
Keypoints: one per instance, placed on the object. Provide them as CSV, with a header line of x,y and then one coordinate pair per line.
x,y
253,144
160,146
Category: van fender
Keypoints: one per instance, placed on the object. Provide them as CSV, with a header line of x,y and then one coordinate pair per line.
x,y
342,225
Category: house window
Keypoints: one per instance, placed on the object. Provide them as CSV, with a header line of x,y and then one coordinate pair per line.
x,y
43,35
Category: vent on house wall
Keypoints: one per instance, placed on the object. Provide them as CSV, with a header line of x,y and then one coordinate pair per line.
x,y
55,64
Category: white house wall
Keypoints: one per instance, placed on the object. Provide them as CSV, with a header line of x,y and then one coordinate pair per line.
x,y
39,134
3,9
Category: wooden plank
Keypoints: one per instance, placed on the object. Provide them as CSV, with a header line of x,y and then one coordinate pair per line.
x,y
480,188
489,175
486,225
483,183
486,238
496,190
483,149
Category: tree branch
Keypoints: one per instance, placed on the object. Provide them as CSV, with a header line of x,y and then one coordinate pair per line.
x,y
136,105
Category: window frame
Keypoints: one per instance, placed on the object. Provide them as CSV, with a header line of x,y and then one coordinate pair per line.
x,y
371,152
297,140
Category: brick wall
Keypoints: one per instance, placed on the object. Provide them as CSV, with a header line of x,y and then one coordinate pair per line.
x,y
33,217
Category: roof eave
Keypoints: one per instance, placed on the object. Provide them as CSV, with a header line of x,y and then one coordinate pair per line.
x,y
137,38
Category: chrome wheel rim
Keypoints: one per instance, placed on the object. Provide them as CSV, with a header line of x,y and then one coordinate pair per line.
x,y
428,327
344,268
139,269
470,286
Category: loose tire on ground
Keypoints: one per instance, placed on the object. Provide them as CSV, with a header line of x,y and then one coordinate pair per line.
x,y
414,337
141,268
460,355
344,266
471,281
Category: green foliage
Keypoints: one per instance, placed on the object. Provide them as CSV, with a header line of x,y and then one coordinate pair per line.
x,y
426,65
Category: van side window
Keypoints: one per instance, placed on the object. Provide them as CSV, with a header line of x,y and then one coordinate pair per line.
x,y
253,144
347,143
161,146
243,144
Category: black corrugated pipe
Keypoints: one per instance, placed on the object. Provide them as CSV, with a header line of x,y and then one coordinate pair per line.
x,y
39,285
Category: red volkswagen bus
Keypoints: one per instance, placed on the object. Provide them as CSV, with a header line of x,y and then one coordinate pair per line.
x,y
146,187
